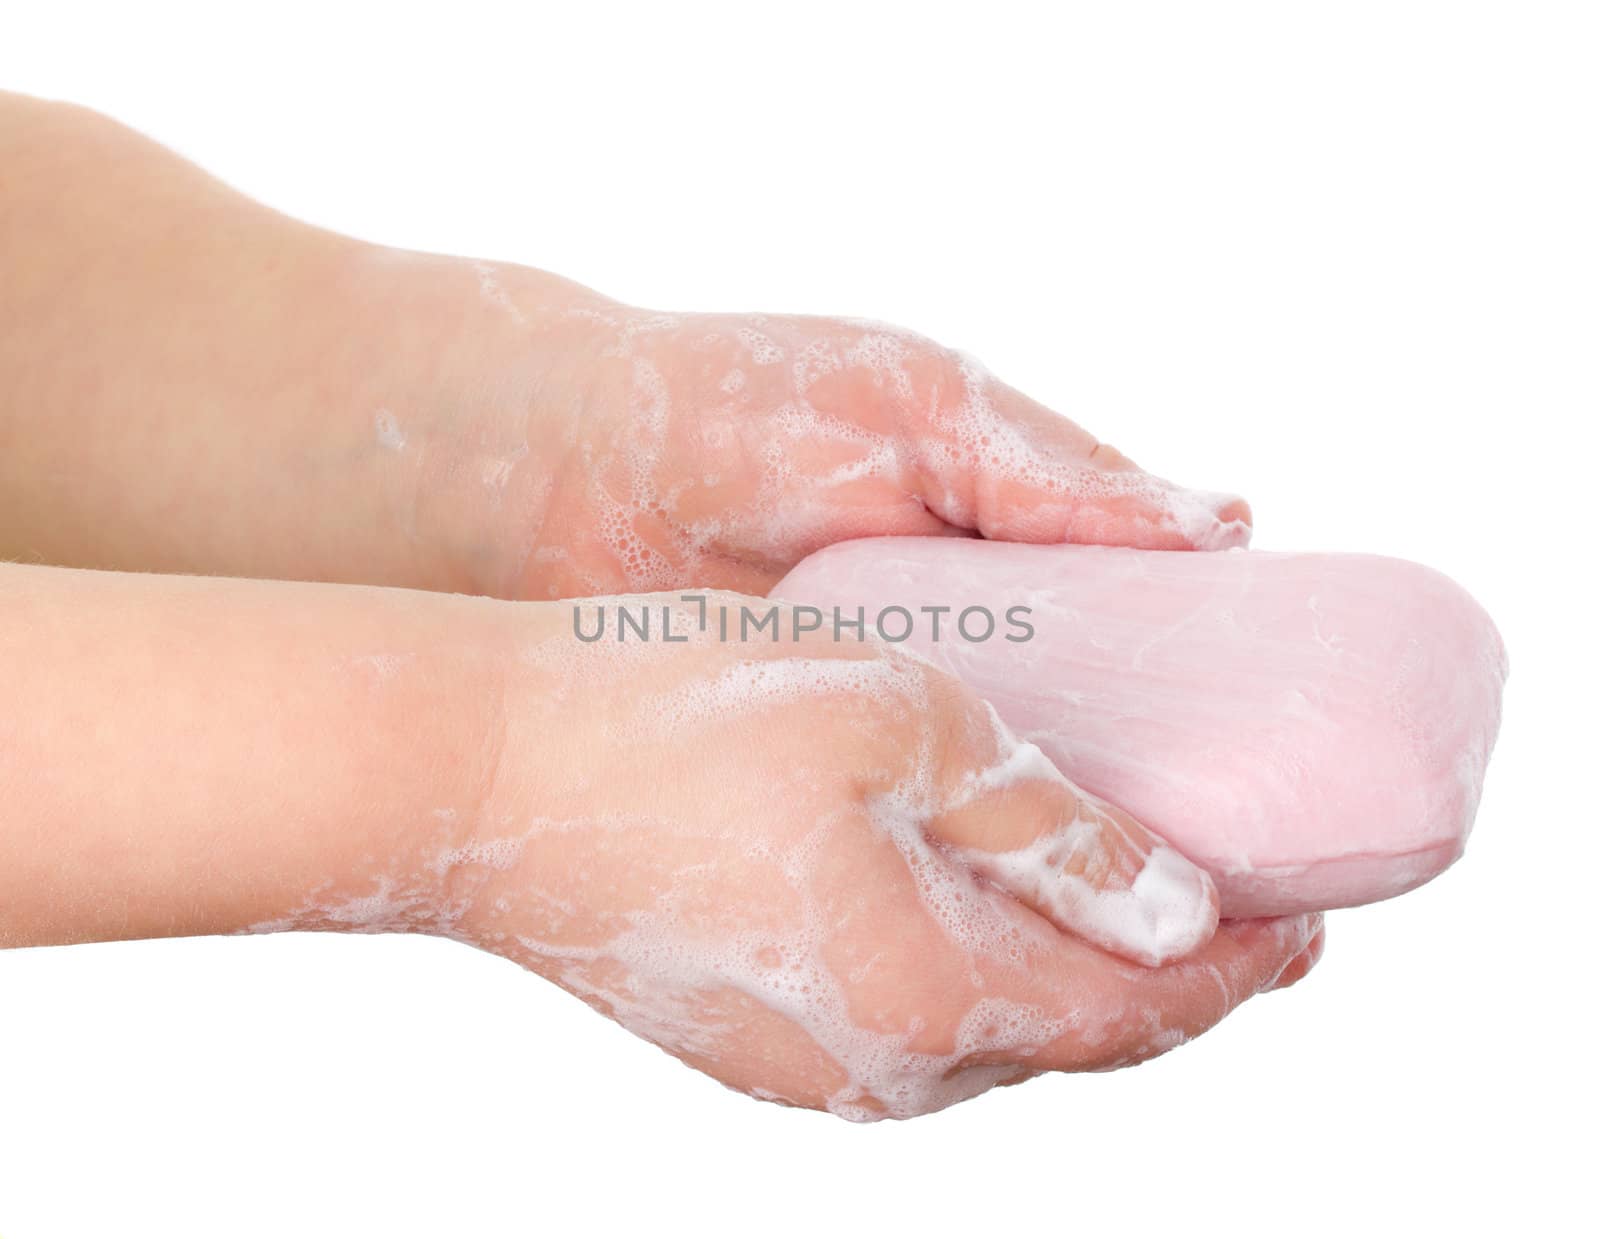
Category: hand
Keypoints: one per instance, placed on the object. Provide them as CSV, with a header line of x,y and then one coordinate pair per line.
x,y
664,451
825,874
818,870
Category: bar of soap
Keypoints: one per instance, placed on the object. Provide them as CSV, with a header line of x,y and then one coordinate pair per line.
x,y
1312,729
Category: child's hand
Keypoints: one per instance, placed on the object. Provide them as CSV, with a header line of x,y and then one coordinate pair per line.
x,y
661,451
824,873
817,870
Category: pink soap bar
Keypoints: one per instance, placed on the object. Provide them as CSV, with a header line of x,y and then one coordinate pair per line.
x,y
1312,729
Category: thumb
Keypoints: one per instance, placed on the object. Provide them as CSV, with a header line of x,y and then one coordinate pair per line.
x,y
1085,866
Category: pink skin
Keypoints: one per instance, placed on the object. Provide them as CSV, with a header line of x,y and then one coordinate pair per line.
x,y
661,450
767,858
195,384
809,923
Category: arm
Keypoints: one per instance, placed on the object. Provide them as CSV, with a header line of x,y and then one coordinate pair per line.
x,y
181,755
819,871
188,380
192,382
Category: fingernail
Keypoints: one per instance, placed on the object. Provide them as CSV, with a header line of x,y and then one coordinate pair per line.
x,y
1167,911
1172,909
1210,520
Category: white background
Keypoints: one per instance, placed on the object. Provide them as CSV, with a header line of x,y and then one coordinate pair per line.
x,y
1344,259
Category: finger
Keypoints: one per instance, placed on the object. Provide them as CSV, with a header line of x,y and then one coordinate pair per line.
x,y
980,455
1242,960
1304,962
991,459
1085,866
1131,1015
1012,469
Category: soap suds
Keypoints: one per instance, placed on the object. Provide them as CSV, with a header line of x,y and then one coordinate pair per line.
x,y
390,437
758,439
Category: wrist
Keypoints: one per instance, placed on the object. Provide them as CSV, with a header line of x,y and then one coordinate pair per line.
x,y
467,383
418,787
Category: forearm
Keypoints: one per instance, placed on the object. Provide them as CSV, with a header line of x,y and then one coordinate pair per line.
x,y
187,755
192,382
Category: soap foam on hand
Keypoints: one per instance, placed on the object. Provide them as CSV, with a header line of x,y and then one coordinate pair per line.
x,y
1311,729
